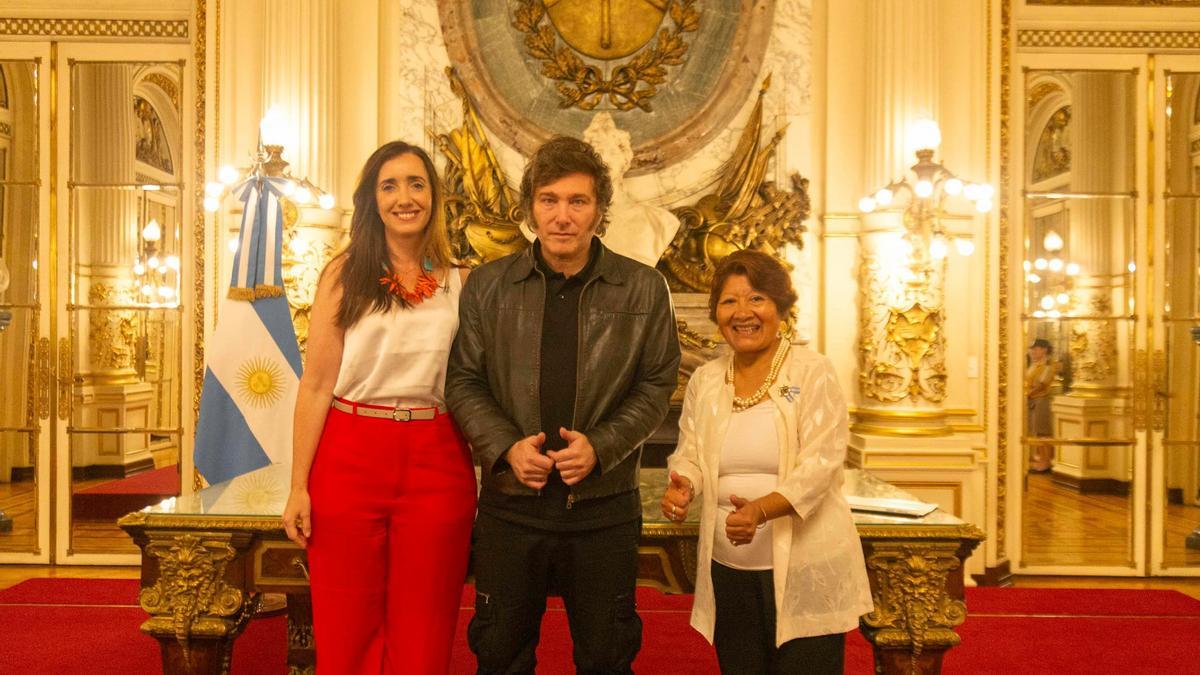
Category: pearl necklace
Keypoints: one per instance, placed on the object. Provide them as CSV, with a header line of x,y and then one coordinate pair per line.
x,y
739,403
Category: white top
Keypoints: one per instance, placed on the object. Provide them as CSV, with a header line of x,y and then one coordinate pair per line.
x,y
820,577
398,357
749,468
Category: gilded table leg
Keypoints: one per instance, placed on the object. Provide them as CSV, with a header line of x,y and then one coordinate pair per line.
x,y
917,587
197,603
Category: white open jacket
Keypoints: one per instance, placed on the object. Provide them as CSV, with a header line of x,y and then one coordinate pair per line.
x,y
820,578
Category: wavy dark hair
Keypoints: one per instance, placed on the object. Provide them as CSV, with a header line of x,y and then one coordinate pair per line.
x,y
366,256
559,157
766,274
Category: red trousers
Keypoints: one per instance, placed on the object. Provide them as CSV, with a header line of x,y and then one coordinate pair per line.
x,y
392,507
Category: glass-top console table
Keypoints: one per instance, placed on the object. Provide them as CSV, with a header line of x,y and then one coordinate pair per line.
x,y
208,558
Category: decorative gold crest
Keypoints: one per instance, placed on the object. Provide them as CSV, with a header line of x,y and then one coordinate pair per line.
x,y
744,211
591,28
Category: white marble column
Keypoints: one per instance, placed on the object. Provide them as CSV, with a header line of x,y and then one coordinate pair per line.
x,y
901,379
299,73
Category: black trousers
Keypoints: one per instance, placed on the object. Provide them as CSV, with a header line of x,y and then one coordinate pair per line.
x,y
745,631
516,567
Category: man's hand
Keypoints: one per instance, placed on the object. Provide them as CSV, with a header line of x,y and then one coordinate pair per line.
x,y
527,461
741,525
678,497
575,461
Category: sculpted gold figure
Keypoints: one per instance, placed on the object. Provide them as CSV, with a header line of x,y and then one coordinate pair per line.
x,y
483,214
743,212
606,30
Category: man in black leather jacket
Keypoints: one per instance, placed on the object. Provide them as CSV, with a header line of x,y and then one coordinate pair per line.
x,y
564,363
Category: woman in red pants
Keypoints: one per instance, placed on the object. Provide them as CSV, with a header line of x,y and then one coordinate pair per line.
x,y
383,490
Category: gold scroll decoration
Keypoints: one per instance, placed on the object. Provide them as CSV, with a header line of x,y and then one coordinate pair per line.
x,y
913,609
191,597
483,214
606,31
743,212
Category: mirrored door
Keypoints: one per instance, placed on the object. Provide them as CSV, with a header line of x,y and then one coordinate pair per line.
x,y
1174,361
24,343
1081,462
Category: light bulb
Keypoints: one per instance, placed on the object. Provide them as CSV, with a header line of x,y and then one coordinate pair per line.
x,y
1063,298
146,289
1040,263
1047,302
1072,269
953,187
1054,314
139,269
173,262
971,191
1052,242
152,231
1027,265
302,196
227,174
273,127
983,205
213,189
964,246
937,248
1034,279
163,270
326,201
883,197
152,262
212,204
866,205
923,188
1055,265
923,134
1132,267
1039,314
232,244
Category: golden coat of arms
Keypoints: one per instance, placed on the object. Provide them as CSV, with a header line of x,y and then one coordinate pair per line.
x,y
635,41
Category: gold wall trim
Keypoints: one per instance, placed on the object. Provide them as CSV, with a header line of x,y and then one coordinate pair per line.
x,y
1003,254
198,171
1100,39
93,28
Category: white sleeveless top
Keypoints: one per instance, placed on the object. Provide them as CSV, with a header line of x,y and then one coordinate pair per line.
x,y
398,357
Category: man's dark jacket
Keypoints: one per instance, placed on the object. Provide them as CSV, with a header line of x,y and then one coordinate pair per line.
x,y
628,363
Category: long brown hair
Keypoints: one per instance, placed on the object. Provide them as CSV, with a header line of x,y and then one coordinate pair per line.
x,y
366,257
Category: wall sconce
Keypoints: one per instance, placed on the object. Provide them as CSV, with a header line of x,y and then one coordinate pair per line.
x,y
1051,280
923,199
155,277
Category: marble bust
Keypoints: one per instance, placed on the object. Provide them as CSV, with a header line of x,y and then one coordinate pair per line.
x,y
635,230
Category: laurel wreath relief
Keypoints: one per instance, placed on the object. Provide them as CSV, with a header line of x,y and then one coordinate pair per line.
x,y
632,83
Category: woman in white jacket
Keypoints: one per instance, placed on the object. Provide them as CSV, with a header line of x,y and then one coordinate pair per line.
x,y
762,439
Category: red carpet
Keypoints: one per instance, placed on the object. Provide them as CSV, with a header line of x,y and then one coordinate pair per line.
x,y
71,625
111,500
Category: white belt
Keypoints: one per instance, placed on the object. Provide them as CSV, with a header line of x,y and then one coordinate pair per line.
x,y
394,414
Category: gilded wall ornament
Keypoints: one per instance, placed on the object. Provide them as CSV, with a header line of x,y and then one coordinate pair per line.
x,y
1053,154
483,214
743,212
590,29
112,333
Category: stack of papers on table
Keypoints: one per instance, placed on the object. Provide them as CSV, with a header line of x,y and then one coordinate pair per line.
x,y
898,507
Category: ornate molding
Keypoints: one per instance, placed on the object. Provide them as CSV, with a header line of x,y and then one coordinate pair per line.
x,y
112,334
168,521
191,597
1100,39
93,28
169,87
1116,3
913,608
1002,318
633,82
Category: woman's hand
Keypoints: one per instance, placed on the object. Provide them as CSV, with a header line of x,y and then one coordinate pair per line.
x,y
297,517
678,496
741,525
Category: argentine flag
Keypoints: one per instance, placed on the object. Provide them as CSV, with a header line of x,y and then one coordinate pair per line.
x,y
253,369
